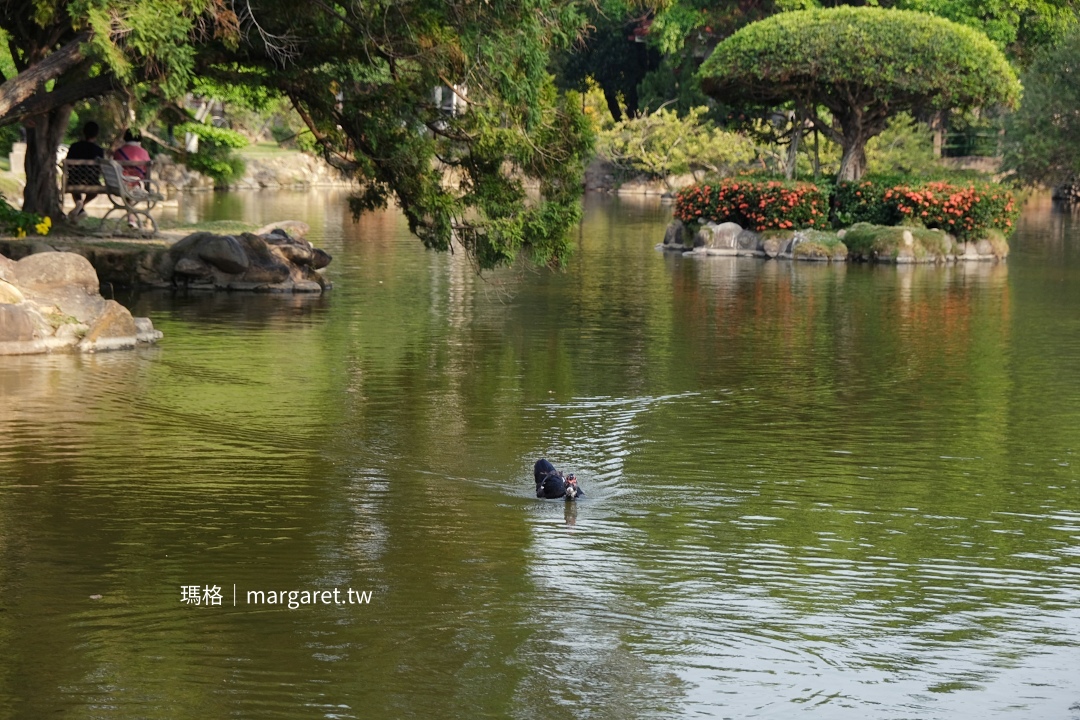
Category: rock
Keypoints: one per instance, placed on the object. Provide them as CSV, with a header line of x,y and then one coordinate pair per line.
x,y
9,294
908,238
7,267
841,233
62,310
71,333
294,228
773,246
971,251
114,328
295,252
320,259
63,283
983,247
675,233
244,262
266,266
224,253
192,267
748,240
145,332
718,236
49,270
17,324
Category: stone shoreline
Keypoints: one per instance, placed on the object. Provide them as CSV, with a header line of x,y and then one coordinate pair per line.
x,y
861,242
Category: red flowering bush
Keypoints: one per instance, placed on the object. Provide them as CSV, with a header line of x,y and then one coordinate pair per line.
x,y
761,205
965,212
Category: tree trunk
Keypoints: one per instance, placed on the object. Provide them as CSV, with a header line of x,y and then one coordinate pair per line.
x,y
792,160
43,135
853,161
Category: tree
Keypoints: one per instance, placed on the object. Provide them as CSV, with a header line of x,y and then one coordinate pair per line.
x,y
363,76
1043,137
863,64
64,51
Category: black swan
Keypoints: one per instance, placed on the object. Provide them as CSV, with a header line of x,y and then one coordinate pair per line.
x,y
552,484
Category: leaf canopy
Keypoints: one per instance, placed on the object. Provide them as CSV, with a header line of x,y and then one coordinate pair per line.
x,y
861,56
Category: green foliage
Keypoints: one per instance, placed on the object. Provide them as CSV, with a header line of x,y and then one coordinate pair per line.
x,y
757,205
215,157
904,147
1021,27
863,201
364,86
1043,137
9,135
864,64
664,144
908,59
868,241
18,223
143,39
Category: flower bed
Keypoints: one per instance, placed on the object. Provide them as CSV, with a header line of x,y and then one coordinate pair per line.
x,y
759,206
968,212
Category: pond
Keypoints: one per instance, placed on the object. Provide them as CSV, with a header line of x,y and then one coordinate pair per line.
x,y
818,491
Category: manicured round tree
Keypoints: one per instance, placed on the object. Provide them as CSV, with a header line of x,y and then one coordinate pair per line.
x,y
864,65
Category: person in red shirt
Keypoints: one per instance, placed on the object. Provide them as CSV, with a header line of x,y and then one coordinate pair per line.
x,y
133,151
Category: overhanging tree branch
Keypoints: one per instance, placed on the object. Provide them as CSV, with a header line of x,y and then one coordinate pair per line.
x,y
66,95
29,81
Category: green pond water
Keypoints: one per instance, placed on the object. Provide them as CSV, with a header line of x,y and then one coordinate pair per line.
x,y
812,491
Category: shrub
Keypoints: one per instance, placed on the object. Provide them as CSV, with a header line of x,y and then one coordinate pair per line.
x,y
19,223
215,157
857,201
664,144
770,205
966,212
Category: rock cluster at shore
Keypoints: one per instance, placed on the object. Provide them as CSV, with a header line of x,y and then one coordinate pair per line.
x,y
863,242
272,261
274,258
49,302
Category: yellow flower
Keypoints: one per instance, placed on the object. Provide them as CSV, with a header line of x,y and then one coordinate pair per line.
x,y
20,233
47,222
42,227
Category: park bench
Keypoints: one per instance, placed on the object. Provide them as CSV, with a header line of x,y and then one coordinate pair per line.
x,y
132,198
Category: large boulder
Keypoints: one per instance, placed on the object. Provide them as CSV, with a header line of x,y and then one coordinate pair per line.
x,y
722,236
675,234
44,272
271,262
49,302
60,283
224,253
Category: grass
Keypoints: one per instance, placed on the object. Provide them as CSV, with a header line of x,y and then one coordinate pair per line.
x,y
218,226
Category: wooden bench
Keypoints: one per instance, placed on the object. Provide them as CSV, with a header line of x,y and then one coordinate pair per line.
x,y
134,196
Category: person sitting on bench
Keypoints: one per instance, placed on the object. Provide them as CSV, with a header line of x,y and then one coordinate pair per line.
x,y
85,149
133,151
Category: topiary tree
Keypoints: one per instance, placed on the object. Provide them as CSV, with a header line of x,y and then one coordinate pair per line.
x,y
865,65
